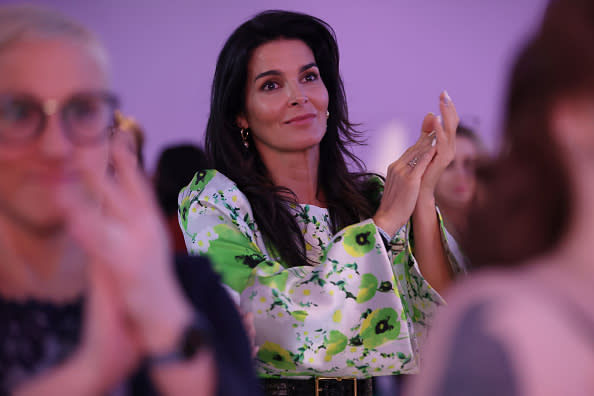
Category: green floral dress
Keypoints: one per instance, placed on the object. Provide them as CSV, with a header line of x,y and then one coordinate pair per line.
x,y
358,313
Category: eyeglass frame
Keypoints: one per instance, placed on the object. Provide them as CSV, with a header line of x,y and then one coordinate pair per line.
x,y
49,107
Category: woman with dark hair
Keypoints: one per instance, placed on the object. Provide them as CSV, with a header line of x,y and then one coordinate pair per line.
x,y
322,256
529,330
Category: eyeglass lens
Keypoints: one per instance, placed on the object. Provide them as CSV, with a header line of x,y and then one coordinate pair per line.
x,y
86,117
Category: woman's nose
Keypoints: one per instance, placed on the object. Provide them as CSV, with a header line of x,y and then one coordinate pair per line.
x,y
53,141
297,96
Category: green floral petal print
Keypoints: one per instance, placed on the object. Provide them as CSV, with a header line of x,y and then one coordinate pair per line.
x,y
381,326
184,208
335,343
367,288
200,180
276,281
269,268
299,315
230,265
385,286
346,315
359,240
277,356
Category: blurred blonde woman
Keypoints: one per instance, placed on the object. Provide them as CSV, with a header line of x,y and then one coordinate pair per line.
x,y
92,301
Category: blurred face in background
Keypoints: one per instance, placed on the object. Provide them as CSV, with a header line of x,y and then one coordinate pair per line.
x,y
457,184
56,87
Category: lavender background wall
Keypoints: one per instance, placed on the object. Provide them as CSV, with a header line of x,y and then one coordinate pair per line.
x,y
397,55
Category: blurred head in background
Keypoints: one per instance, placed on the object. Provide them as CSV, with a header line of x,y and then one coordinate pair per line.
x,y
175,168
457,184
537,190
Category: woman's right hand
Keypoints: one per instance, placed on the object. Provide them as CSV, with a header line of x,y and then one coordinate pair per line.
x,y
403,183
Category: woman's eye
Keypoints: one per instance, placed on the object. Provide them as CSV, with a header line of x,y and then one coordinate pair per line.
x,y
269,86
16,112
82,109
311,77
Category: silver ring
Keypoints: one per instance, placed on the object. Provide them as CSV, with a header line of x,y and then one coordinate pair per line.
x,y
413,162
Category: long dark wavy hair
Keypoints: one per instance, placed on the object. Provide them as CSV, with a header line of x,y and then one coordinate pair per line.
x,y
348,195
526,193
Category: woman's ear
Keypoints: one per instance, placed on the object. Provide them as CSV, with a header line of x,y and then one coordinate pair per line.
x,y
241,121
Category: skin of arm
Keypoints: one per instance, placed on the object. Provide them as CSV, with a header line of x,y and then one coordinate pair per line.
x,y
429,249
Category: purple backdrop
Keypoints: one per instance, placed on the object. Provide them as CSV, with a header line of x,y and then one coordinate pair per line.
x,y
397,56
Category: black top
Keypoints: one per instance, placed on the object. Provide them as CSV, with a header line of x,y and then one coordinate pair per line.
x,y
35,335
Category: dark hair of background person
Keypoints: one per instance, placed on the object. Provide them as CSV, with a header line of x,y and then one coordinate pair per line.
x,y
346,193
175,168
526,203
468,133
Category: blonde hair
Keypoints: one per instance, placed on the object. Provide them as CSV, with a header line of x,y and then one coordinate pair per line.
x,y
20,23
128,124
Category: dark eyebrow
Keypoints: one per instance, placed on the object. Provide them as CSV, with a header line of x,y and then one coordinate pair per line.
x,y
278,73
268,73
308,66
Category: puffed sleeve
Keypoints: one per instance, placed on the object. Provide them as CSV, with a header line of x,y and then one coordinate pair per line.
x,y
356,313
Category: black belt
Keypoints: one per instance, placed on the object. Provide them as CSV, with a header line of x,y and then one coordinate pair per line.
x,y
319,386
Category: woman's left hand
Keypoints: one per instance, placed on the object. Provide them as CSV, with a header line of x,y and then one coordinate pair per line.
x,y
445,143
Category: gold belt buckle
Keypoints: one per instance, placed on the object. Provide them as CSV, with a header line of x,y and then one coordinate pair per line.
x,y
318,379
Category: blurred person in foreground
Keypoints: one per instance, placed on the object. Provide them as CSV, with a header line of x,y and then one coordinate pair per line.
x,y
526,325
91,300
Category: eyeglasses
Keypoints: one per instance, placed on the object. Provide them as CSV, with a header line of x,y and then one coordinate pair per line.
x,y
87,117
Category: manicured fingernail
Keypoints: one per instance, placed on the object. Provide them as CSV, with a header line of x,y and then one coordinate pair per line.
x,y
445,98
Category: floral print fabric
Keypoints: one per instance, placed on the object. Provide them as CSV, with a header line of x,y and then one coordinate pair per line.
x,y
358,312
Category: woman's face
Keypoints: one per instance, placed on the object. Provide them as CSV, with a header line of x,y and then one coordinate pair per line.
x,y
457,184
34,173
286,99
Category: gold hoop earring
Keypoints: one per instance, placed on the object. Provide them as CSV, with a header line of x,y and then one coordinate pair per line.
x,y
244,137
